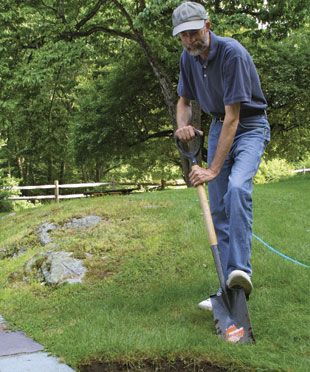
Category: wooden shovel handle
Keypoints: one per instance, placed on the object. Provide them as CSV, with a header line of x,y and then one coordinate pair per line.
x,y
206,212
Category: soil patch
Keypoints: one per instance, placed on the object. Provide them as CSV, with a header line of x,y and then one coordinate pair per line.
x,y
153,365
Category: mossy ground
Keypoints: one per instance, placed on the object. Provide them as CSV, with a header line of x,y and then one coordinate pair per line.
x,y
149,265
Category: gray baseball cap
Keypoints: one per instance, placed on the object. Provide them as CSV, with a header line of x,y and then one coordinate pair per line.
x,y
188,16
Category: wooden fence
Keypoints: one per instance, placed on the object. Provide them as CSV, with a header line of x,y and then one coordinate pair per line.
x,y
134,187
303,170
57,195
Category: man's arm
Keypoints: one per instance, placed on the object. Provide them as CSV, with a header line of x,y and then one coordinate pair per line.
x,y
228,132
185,131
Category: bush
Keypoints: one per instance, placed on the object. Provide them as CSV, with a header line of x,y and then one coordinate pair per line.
x,y
273,170
305,163
6,182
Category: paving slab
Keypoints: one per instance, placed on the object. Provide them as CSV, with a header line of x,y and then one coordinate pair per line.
x,y
34,362
12,343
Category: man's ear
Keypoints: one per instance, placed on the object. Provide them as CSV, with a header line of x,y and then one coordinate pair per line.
x,y
208,25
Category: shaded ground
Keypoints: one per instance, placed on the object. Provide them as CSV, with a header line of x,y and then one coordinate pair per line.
x,y
151,366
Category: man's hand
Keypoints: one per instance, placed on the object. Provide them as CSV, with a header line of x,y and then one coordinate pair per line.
x,y
200,175
185,134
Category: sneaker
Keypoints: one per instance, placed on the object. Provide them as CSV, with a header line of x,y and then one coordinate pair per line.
x,y
238,278
207,304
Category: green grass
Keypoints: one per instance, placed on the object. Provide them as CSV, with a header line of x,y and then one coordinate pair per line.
x,y
150,266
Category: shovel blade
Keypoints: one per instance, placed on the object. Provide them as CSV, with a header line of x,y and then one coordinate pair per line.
x,y
231,316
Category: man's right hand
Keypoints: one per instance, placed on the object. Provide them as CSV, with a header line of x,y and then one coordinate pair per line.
x,y
185,134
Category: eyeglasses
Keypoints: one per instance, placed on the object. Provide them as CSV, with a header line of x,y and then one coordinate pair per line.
x,y
189,32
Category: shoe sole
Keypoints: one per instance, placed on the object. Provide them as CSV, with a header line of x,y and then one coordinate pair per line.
x,y
239,280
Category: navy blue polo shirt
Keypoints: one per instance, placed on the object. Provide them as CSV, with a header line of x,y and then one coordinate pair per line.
x,y
228,76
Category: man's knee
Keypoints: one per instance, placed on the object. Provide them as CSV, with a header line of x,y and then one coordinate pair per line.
x,y
238,196
239,187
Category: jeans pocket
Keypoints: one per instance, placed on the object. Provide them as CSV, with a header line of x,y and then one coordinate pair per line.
x,y
267,135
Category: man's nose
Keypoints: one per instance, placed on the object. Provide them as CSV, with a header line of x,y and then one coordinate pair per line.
x,y
190,37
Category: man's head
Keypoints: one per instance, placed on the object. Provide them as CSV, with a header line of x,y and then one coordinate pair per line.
x,y
190,22
188,16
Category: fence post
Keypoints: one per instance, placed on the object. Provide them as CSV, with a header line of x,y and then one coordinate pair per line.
x,y
56,191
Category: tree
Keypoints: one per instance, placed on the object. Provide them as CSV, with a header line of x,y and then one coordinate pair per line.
x,y
112,98
51,49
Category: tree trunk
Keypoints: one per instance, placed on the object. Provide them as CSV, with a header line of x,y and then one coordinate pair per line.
x,y
196,122
170,96
62,172
50,169
98,172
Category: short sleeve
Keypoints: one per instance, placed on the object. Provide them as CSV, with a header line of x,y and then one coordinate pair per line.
x,y
184,86
237,81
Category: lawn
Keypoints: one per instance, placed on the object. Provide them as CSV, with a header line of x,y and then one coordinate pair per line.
x,y
150,265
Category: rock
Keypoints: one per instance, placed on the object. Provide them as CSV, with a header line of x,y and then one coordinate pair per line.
x,y
55,268
3,252
8,215
9,252
83,222
3,325
43,232
33,266
20,251
60,268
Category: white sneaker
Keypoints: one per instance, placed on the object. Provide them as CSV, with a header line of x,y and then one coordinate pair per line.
x,y
238,278
205,304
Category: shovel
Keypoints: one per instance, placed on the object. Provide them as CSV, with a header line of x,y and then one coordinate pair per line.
x,y
230,311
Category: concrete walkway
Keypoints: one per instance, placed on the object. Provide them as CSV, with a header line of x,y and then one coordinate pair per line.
x,y
19,353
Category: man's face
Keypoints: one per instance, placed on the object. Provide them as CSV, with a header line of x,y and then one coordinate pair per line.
x,y
196,42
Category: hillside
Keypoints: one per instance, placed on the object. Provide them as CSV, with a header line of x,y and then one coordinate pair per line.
x,y
148,265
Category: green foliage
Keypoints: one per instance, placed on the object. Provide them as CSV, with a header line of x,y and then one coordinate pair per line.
x,y
273,170
305,163
6,183
103,135
81,83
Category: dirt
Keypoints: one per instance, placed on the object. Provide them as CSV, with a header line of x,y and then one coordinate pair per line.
x,y
153,366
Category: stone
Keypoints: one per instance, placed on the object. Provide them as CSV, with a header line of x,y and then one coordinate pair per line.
x,y
33,266
60,267
55,268
17,342
84,222
12,251
3,325
44,230
33,362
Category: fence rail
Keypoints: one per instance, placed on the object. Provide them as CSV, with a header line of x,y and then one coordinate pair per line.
x,y
303,170
135,187
57,196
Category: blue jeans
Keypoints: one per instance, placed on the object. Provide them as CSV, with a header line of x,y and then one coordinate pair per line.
x,y
230,193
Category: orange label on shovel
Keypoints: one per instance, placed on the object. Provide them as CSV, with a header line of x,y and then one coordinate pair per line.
x,y
234,334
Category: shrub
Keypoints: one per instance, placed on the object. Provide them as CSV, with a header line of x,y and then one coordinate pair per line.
x,y
305,163
273,170
6,182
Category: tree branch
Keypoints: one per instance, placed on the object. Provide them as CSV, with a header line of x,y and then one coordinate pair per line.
x,y
69,35
143,138
59,13
90,14
125,13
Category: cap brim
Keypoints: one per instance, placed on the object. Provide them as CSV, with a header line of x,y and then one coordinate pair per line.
x,y
192,25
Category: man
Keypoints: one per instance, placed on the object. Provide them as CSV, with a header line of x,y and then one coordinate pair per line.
x,y
219,74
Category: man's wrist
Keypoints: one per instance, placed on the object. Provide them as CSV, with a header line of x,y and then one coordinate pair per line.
x,y
216,170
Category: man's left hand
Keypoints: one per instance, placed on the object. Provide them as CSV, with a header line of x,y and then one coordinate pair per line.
x,y
200,175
